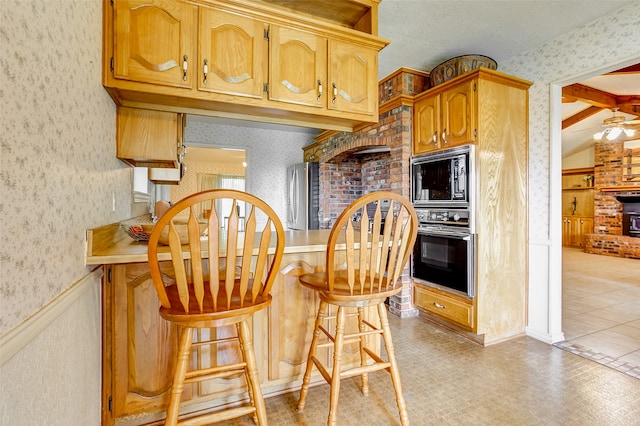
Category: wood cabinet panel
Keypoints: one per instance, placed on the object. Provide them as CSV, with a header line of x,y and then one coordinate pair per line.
x,y
444,119
426,119
450,308
574,230
297,67
148,138
232,51
143,344
353,76
154,41
458,115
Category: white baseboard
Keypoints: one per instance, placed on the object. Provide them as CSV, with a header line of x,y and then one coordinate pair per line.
x,y
17,338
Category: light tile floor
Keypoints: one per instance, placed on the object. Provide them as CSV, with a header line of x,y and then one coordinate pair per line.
x,y
601,309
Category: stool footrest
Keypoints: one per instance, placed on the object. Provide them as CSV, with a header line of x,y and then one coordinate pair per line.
x,y
218,416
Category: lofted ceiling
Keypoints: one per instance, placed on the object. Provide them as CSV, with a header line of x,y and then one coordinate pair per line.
x,y
587,103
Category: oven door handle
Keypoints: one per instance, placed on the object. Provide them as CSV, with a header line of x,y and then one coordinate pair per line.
x,y
465,237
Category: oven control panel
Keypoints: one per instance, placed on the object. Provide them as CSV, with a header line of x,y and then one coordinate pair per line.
x,y
457,217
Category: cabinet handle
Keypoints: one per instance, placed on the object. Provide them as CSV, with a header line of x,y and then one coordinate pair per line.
x,y
439,306
319,90
205,71
434,139
335,93
184,68
444,136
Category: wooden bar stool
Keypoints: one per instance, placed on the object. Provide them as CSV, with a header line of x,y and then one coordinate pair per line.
x,y
205,293
378,231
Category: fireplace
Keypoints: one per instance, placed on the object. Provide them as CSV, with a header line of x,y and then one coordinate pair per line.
x,y
630,216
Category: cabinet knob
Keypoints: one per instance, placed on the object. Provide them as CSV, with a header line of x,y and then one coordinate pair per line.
x,y
439,306
434,139
444,136
320,90
335,93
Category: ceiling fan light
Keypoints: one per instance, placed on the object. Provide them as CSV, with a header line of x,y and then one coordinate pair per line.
x,y
598,136
629,132
614,133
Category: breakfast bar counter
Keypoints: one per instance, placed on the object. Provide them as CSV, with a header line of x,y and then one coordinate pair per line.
x,y
138,344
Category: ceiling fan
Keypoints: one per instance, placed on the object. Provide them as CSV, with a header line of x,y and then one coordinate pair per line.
x,y
615,126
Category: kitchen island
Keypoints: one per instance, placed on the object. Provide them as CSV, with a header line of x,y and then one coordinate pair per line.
x,y
138,345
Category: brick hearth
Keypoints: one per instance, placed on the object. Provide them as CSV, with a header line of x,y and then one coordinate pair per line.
x,y
607,238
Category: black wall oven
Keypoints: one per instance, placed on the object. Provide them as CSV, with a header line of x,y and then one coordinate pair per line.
x,y
444,257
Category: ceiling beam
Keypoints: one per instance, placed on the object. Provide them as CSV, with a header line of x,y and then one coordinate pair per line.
x,y
579,116
590,95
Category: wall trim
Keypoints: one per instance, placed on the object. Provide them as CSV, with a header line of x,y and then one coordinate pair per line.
x,y
17,338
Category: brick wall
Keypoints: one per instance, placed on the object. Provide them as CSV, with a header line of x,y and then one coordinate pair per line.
x,y
346,173
607,238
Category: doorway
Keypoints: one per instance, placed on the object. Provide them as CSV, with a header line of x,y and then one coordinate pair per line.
x,y
589,306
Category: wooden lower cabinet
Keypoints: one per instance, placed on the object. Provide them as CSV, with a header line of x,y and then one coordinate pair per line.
x,y
452,309
139,345
574,230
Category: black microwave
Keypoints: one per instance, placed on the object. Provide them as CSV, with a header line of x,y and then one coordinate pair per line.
x,y
442,178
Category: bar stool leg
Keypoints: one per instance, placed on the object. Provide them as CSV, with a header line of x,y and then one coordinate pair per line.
x,y
363,355
322,313
395,373
337,361
246,345
182,362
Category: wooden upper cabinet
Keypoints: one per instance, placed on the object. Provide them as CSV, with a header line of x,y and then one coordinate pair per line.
x,y
232,54
251,60
154,42
297,67
446,118
458,115
148,138
353,78
426,125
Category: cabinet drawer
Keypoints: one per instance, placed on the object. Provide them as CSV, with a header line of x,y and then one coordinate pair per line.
x,y
443,306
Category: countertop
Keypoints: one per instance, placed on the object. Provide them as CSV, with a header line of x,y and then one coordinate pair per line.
x,y
111,245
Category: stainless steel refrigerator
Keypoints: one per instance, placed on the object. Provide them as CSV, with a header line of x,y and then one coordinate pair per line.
x,y
303,194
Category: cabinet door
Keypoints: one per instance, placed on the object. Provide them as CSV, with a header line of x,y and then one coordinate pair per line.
x,y
353,78
154,41
232,54
297,67
426,116
584,227
566,231
144,345
148,138
292,317
458,115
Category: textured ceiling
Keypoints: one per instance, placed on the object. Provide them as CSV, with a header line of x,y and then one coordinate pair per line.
x,y
424,33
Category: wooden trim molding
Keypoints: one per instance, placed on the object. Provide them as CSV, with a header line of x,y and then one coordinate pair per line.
x,y
20,336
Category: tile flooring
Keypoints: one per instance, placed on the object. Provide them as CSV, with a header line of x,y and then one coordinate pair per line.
x,y
448,380
601,309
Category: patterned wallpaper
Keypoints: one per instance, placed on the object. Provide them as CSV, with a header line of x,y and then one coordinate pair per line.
x,y
602,43
59,170
269,152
